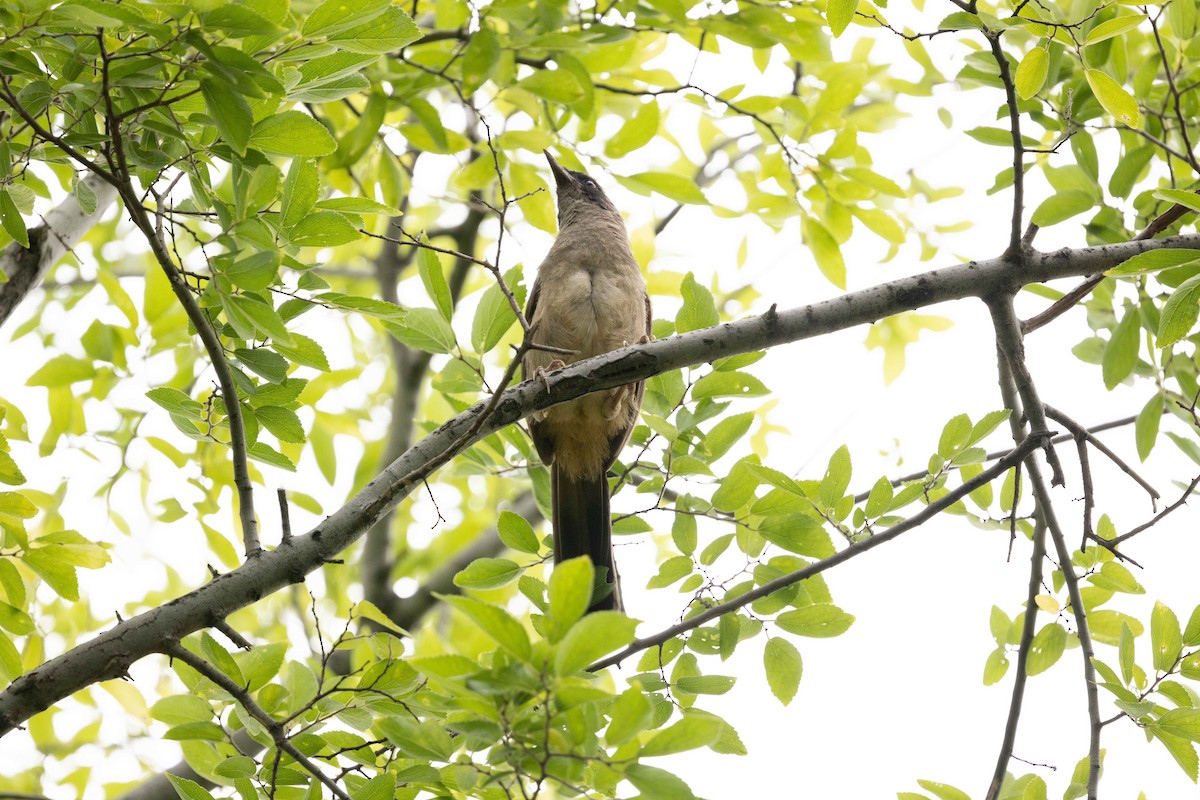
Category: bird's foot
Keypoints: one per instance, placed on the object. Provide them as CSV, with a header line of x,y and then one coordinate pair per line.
x,y
541,372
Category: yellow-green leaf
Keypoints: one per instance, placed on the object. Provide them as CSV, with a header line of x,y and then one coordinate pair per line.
x,y
1031,72
1113,97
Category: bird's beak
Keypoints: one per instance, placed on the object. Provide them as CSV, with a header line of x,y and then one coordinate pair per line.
x,y
561,176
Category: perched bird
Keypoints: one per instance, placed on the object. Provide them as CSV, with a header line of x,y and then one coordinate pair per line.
x,y
589,298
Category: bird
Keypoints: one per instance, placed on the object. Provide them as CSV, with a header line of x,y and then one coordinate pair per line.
x,y
589,297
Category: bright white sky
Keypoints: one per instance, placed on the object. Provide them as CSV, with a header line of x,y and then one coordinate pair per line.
x,y
900,696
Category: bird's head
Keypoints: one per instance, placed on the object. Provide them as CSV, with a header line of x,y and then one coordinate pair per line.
x,y
578,193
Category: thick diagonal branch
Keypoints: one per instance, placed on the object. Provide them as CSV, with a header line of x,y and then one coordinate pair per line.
x,y
110,653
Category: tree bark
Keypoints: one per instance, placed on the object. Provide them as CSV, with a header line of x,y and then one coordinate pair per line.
x,y
62,229
109,654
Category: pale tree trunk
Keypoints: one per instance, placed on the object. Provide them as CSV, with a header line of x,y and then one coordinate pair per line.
x,y
61,230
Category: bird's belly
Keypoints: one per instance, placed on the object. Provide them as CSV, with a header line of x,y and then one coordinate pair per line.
x,y
599,315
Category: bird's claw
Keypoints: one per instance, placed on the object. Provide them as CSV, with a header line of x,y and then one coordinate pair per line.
x,y
540,372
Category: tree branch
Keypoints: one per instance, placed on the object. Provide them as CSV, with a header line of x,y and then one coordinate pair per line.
x,y
110,653
61,230
920,518
273,726
1018,147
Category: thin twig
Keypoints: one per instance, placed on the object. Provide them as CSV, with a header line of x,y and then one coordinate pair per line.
x,y
929,512
1081,432
238,692
1082,628
1036,559
1191,487
1014,117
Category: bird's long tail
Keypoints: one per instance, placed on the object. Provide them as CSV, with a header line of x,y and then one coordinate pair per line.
x,y
583,527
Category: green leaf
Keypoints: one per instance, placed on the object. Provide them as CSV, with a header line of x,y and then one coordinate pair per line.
x,y
1182,722
1113,97
193,731
684,533
783,666
820,620
1155,260
255,272
670,571
322,229
995,667
429,265
15,620
335,16
1046,648
261,663
379,309
14,504
593,637
300,189
58,574
495,314
570,594
303,351
675,187
879,501
689,733
229,111
1062,206
954,436
698,309
1166,640
381,787
516,532
1191,633
62,370
481,56
387,33
1031,72
1180,197
837,477
181,709
1179,312
728,384
637,131
175,401
11,219
424,329
705,684
726,433
1121,353
357,205
839,13
1146,426
943,791
266,363
10,659
657,783
488,573
188,789
283,423
557,86
629,715
496,623
1113,27
292,133
825,251
1183,751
